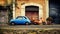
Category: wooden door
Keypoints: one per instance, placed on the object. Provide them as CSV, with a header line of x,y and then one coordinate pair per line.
x,y
32,12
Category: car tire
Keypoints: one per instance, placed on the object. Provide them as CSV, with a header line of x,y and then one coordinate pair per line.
x,y
12,23
27,23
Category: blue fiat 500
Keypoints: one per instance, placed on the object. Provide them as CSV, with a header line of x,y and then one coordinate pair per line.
x,y
20,20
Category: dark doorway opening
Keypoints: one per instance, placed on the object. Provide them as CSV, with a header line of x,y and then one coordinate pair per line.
x,y
32,11
5,14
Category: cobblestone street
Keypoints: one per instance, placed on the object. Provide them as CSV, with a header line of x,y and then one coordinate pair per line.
x,y
30,29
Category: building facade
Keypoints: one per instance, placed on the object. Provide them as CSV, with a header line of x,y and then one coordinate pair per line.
x,y
30,8
4,10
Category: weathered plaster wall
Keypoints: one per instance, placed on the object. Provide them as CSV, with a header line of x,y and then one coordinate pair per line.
x,y
43,3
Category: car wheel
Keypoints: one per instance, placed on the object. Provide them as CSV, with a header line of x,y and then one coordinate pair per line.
x,y
27,23
12,23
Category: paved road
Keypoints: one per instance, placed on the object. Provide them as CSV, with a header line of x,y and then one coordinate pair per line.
x,y
32,26
29,26
18,27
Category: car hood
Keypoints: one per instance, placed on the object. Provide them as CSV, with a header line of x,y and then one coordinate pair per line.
x,y
12,20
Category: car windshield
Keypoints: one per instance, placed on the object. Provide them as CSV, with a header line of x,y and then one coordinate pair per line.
x,y
19,17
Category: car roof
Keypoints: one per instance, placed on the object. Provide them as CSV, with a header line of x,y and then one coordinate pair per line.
x,y
21,16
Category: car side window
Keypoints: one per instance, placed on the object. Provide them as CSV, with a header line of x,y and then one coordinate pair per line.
x,y
25,17
18,17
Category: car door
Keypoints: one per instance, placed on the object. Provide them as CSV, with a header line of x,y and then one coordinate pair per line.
x,y
18,20
24,20
21,20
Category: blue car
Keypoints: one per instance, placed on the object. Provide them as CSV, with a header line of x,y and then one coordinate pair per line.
x,y
20,20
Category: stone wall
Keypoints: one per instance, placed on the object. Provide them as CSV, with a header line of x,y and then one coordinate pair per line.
x,y
23,31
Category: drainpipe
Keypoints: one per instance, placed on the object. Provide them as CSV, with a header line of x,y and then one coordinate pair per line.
x,y
14,9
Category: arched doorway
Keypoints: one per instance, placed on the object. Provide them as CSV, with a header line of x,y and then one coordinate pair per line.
x,y
32,11
34,5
